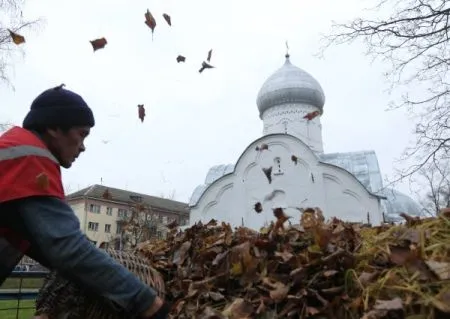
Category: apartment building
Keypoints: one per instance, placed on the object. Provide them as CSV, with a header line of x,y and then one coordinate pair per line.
x,y
102,210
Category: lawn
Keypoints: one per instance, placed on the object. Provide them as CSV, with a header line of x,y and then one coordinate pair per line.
x,y
14,283
12,304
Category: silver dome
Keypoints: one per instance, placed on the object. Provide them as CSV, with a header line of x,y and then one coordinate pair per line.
x,y
290,84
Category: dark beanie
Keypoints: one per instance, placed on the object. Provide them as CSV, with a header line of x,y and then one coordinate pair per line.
x,y
58,107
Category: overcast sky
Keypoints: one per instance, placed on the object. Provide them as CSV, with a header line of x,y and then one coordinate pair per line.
x,y
195,120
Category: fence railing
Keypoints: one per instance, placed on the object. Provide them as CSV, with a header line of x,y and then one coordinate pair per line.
x,y
20,292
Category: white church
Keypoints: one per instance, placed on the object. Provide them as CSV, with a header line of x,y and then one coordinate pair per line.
x,y
287,167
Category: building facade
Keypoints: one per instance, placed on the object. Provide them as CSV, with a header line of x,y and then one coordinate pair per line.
x,y
103,210
287,166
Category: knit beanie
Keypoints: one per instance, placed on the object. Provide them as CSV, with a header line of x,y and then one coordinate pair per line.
x,y
58,107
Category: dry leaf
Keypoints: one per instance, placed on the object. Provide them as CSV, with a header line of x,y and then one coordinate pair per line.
x,y
16,38
98,44
42,181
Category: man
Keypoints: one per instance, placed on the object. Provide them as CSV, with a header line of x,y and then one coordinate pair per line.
x,y
36,221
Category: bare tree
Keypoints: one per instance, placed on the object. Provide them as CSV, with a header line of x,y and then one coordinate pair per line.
x,y
414,39
11,18
436,184
141,225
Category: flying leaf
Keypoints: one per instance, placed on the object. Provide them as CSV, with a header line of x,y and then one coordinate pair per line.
x,y
42,181
150,21
167,18
206,65
209,56
268,173
16,38
294,159
263,147
98,44
141,112
181,58
311,115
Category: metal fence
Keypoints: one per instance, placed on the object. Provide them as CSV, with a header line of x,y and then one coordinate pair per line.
x,y
20,293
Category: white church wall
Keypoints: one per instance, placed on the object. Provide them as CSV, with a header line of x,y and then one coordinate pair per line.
x,y
288,118
347,198
232,198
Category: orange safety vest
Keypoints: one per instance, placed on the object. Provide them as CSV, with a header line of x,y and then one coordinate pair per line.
x,y
27,168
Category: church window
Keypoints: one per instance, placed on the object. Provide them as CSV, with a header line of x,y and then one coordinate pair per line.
x,y
285,124
277,166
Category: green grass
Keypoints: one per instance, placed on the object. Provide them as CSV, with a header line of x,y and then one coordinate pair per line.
x,y
14,283
11,314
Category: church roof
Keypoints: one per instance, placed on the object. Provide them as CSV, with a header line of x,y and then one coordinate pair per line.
x,y
290,84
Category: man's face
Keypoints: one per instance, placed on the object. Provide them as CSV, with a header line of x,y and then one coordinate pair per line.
x,y
67,146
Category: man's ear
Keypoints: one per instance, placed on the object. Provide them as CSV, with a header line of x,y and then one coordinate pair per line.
x,y
53,132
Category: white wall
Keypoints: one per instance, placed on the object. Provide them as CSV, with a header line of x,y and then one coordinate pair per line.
x,y
232,197
288,118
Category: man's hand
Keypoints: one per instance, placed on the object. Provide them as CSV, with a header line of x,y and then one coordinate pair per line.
x,y
156,305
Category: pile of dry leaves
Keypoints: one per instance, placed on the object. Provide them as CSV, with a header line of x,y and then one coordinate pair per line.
x,y
317,270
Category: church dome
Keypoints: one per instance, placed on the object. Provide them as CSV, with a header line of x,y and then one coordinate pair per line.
x,y
290,84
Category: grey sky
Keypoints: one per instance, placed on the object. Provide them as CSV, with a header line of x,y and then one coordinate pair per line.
x,y
195,121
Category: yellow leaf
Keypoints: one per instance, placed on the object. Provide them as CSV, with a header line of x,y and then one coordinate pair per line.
x,y
236,269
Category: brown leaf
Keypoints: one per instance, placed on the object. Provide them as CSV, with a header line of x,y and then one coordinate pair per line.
x,y
294,159
279,293
401,255
150,20
42,181
16,38
180,255
98,44
239,309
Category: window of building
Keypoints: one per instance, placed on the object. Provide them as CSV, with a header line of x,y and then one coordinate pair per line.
x,y
109,211
278,168
153,230
93,226
159,234
107,228
93,208
118,228
122,212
